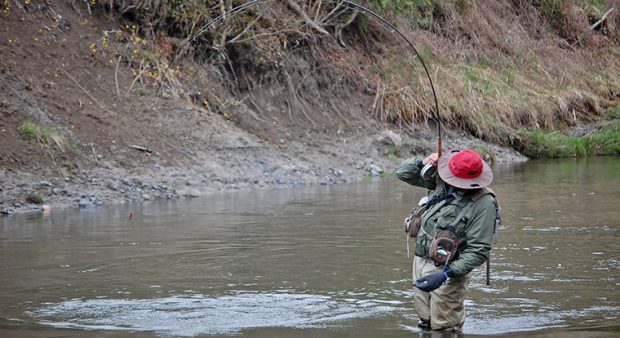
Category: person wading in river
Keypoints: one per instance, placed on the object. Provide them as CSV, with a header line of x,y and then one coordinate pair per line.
x,y
453,227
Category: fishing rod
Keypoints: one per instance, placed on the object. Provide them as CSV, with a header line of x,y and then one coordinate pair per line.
x,y
349,4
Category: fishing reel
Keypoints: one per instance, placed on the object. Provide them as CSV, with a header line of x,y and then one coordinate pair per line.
x,y
428,172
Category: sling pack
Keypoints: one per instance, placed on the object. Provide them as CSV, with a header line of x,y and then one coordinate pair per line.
x,y
414,220
445,243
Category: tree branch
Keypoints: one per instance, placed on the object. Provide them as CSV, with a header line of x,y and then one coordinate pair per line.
x,y
295,8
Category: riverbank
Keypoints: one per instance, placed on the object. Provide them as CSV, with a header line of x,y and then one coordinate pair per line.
x,y
348,158
107,102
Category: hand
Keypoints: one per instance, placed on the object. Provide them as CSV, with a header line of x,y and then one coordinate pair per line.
x,y
432,159
432,281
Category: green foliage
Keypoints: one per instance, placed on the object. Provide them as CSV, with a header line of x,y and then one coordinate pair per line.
x,y
29,131
606,142
43,135
540,144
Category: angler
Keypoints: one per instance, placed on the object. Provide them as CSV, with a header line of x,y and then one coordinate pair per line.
x,y
438,307
453,227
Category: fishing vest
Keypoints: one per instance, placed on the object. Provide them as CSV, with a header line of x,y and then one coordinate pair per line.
x,y
424,244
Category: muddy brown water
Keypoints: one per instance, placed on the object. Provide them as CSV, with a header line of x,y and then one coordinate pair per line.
x,y
313,261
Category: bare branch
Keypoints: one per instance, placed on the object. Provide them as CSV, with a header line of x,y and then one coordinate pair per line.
x,y
247,28
142,149
332,14
594,25
295,8
118,92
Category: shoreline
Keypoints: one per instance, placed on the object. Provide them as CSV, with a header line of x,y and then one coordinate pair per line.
x,y
114,186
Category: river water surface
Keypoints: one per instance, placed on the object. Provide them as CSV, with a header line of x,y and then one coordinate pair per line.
x,y
314,261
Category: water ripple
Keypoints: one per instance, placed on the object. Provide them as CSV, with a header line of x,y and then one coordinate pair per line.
x,y
197,314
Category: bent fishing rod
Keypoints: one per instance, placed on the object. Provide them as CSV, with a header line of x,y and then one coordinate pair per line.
x,y
350,4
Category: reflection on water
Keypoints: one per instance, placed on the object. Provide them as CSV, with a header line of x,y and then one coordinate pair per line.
x,y
327,260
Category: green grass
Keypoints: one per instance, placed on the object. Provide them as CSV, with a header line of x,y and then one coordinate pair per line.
x,y
539,144
43,135
471,75
606,142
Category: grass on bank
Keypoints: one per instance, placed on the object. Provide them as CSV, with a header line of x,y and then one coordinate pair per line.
x,y
539,144
492,95
43,135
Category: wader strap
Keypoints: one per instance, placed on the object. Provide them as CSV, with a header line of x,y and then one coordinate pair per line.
x,y
455,223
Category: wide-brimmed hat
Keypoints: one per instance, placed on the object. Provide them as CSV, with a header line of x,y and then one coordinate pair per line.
x,y
464,169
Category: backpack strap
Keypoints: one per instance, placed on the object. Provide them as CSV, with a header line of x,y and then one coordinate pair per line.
x,y
476,196
453,226
481,192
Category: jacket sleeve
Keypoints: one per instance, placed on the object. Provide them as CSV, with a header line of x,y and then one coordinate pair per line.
x,y
478,237
409,172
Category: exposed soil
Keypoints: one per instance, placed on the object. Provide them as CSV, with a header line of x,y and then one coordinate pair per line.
x,y
123,143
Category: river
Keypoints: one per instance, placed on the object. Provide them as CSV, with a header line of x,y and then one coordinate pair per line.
x,y
318,261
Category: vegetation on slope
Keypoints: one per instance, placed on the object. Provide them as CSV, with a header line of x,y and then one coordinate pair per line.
x,y
519,73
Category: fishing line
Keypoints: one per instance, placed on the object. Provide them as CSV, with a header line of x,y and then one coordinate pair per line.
x,y
349,4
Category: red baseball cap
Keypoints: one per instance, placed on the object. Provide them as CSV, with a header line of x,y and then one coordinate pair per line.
x,y
464,169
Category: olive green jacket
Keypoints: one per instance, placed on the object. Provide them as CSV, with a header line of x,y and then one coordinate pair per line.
x,y
474,230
